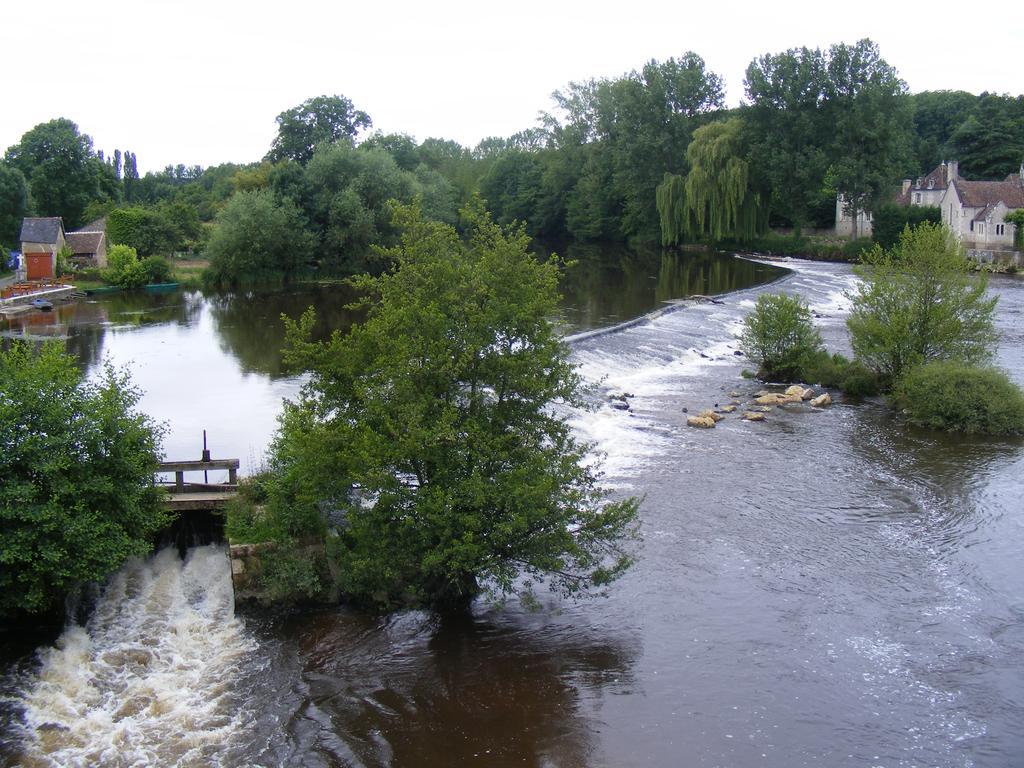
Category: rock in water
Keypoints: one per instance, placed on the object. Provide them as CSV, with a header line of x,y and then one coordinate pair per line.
x,y
710,414
700,422
752,416
822,400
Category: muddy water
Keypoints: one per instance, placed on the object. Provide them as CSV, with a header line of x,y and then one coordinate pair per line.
x,y
827,588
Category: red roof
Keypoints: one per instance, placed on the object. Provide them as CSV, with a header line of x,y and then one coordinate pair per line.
x,y
980,194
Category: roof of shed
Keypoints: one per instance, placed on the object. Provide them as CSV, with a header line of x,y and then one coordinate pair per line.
x,y
41,230
84,242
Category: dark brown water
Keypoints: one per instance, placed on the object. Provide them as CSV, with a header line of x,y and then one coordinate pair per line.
x,y
828,588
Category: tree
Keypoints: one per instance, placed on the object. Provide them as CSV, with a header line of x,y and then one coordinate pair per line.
x,y
718,199
780,337
62,172
78,459
918,302
258,237
1016,218
786,91
13,206
321,120
430,430
870,116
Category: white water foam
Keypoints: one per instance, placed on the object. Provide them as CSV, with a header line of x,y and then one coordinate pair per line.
x,y
148,681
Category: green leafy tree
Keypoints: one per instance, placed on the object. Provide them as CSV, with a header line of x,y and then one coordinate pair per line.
x,y
62,171
321,120
124,267
954,397
258,237
13,206
430,429
146,229
718,198
919,302
890,219
77,497
780,337
870,117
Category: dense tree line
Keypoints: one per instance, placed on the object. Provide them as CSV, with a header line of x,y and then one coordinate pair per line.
x,y
649,156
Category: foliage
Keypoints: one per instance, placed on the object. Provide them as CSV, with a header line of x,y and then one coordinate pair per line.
x,y
291,573
62,171
836,120
321,120
779,336
1017,218
153,230
889,220
918,302
258,237
956,397
124,268
78,460
428,433
718,199
13,204
836,371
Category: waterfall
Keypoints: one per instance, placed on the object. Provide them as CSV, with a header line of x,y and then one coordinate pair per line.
x,y
148,680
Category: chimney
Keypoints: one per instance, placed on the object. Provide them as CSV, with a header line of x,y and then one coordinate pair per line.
x,y
908,182
954,171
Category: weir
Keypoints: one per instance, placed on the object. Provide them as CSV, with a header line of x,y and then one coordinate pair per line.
x,y
198,506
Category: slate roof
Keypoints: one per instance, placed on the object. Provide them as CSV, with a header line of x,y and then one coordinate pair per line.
x,y
98,225
41,230
981,194
937,179
84,243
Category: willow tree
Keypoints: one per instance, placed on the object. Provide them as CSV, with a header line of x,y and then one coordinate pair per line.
x,y
716,200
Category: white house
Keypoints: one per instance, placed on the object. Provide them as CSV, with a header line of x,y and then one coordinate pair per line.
x,y
976,210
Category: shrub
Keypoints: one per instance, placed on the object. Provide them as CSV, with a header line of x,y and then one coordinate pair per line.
x,y
957,397
77,497
919,302
157,269
891,219
779,336
836,371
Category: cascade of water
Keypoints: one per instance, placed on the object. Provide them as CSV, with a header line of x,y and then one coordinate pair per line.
x,y
149,679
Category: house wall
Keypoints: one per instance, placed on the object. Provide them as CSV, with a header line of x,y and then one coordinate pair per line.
x,y
844,222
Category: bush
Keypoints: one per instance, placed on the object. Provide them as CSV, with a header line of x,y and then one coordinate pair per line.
x,y
157,269
918,302
779,336
891,219
77,497
836,371
956,397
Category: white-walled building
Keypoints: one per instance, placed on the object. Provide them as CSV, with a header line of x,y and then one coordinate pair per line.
x,y
973,210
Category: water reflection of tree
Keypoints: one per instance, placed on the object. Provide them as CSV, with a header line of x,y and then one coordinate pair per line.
x,y
613,283
250,328
408,691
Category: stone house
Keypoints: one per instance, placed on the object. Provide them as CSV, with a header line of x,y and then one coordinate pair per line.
x,y
975,211
41,239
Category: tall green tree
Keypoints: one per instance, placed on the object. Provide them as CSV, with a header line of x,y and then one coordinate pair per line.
x,y
867,106
77,497
718,198
13,206
321,120
62,171
919,302
431,431
786,91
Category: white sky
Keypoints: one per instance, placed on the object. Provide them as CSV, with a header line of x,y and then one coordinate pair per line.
x,y
201,81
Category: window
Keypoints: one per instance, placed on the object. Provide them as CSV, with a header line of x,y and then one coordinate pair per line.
x,y
917,197
1000,229
971,226
981,228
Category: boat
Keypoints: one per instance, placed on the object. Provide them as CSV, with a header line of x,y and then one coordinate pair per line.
x,y
104,289
42,304
160,287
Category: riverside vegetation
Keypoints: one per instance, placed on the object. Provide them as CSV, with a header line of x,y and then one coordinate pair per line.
x,y
922,332
427,445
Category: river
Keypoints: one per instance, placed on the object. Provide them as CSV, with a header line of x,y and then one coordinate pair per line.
x,y
826,588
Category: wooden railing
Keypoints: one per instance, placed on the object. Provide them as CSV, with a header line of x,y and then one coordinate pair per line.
x,y
179,468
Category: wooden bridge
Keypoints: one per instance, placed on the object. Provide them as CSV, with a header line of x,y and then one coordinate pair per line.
x,y
188,497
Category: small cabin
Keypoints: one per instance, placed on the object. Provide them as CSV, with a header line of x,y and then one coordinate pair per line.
x,y
41,239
